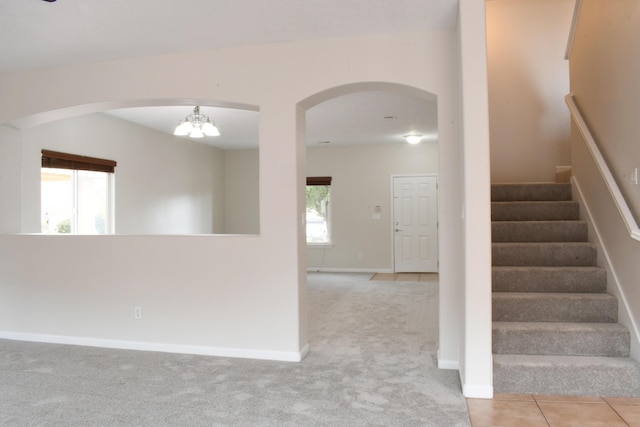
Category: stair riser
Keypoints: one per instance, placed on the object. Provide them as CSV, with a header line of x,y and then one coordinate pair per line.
x,y
576,343
554,329
544,254
534,211
536,231
568,279
605,379
508,192
541,309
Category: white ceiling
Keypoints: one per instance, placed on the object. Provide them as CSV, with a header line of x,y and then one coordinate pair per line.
x,y
359,118
44,34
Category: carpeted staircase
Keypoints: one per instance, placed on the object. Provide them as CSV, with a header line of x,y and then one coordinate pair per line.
x,y
555,328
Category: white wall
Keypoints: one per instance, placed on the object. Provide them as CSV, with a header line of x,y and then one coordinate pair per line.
x,y
164,184
361,181
242,195
224,293
605,64
528,79
476,364
10,180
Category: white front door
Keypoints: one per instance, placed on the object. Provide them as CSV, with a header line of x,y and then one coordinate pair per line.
x,y
415,223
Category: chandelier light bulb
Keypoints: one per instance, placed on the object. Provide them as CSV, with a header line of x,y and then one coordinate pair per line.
x,y
196,133
196,125
181,129
210,129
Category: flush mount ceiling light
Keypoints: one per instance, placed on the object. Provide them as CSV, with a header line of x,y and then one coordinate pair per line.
x,y
413,138
196,125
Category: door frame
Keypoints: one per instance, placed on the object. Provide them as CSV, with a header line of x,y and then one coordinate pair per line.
x,y
392,214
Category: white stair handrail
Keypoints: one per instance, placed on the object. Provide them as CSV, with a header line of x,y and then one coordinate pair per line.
x,y
607,176
572,30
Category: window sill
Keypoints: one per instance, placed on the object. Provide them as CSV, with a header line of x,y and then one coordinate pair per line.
x,y
319,245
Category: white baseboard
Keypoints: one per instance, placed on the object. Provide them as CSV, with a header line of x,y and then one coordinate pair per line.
x,y
475,391
284,356
348,270
447,364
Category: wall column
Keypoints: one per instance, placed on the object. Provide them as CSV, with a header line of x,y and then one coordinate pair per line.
x,y
477,360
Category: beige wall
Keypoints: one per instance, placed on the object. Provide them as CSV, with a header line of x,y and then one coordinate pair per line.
x,y
10,180
528,79
605,64
242,195
476,358
361,180
164,185
240,295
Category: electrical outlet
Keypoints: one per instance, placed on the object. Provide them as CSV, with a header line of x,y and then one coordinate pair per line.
x,y
360,256
137,313
633,176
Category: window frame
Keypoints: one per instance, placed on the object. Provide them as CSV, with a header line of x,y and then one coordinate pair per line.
x,y
322,181
73,162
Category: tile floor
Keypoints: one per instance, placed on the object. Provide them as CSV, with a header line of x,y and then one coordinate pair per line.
x,y
525,410
406,277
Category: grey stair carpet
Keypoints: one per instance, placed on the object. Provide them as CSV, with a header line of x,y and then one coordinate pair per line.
x,y
539,231
549,279
534,211
568,254
566,375
554,307
569,339
531,191
555,328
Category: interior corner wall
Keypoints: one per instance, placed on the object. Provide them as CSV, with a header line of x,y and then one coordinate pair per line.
x,y
361,176
618,253
528,79
605,64
10,180
242,191
164,185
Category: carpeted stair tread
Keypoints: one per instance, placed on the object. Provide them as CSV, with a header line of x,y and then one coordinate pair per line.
x,y
549,279
531,191
535,211
566,375
555,328
554,338
554,307
544,254
539,231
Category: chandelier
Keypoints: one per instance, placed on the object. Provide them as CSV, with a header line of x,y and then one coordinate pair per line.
x,y
196,125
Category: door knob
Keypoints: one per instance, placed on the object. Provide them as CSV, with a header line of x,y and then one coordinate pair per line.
x,y
397,229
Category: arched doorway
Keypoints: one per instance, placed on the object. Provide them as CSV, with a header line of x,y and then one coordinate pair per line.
x,y
360,149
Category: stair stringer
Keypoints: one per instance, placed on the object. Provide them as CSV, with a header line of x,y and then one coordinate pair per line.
x,y
614,288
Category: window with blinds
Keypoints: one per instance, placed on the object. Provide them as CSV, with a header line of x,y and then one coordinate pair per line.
x,y
318,213
76,194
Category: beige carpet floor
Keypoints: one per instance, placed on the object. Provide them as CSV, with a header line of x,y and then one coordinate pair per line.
x,y
372,363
